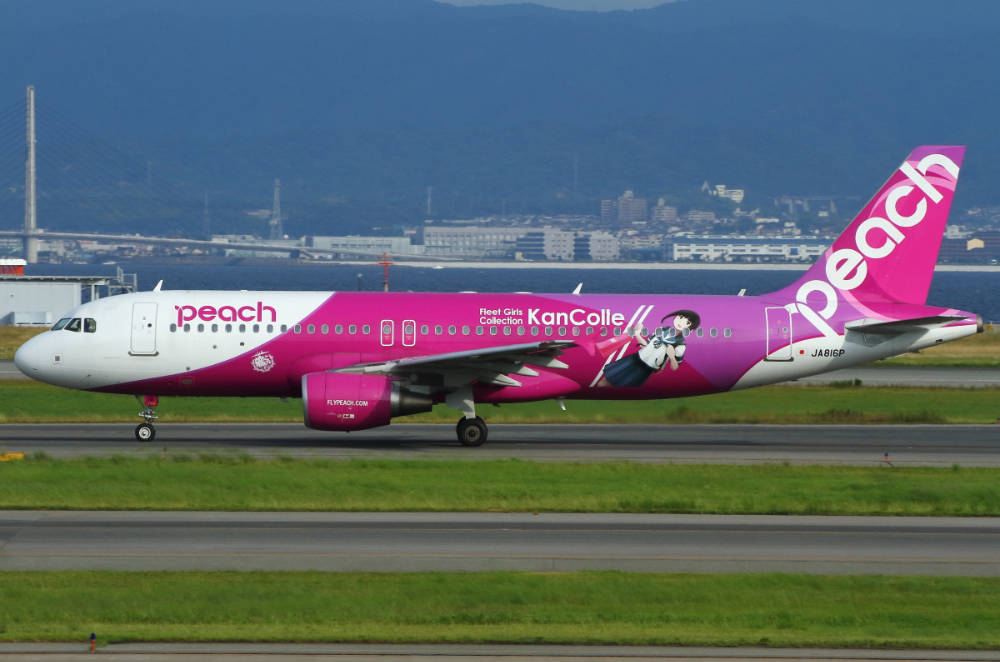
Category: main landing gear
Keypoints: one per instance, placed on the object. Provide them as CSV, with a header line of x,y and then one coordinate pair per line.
x,y
145,431
471,429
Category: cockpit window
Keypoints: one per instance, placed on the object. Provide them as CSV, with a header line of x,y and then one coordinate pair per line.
x,y
74,324
61,323
90,325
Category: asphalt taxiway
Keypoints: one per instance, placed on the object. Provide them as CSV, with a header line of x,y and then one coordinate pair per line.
x,y
388,542
932,445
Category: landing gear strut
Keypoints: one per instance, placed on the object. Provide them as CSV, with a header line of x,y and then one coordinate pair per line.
x,y
145,431
471,431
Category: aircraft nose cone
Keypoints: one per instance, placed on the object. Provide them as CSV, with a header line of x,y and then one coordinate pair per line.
x,y
28,358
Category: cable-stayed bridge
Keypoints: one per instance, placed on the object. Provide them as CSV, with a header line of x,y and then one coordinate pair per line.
x,y
55,173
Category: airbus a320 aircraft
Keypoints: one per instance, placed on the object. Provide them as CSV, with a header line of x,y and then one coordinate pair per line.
x,y
359,359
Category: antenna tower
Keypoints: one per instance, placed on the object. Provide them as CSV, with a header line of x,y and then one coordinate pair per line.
x,y
276,231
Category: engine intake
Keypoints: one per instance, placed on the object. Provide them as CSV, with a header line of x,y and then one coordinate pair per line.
x,y
336,401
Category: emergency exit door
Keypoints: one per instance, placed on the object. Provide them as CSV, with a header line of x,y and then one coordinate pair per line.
x,y
143,329
387,333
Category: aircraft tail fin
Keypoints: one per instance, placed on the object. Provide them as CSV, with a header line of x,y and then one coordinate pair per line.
x,y
888,252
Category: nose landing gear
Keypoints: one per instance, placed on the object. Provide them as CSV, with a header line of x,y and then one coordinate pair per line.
x,y
145,431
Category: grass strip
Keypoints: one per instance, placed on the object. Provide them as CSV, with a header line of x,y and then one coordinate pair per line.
x,y
982,349
241,483
510,607
32,402
12,337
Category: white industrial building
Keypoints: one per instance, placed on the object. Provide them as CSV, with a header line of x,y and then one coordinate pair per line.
x,y
41,300
398,246
713,248
471,241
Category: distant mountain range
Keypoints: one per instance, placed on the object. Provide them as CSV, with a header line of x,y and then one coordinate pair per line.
x,y
360,105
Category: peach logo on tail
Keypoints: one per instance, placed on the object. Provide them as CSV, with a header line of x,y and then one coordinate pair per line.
x,y
847,268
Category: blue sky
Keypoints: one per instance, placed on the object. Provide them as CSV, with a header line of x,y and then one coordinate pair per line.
x,y
579,5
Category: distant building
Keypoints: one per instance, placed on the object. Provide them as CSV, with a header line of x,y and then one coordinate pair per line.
x,y
956,232
471,241
398,246
722,191
609,213
714,248
595,246
625,209
245,251
641,246
973,248
11,246
27,302
631,208
546,244
700,215
663,212
795,205
26,299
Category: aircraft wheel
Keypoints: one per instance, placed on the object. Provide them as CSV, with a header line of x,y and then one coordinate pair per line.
x,y
471,431
145,432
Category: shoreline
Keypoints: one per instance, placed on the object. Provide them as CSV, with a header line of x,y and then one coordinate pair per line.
x,y
660,266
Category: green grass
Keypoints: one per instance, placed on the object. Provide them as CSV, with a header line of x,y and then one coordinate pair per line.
x,y
32,402
511,607
239,482
12,337
980,350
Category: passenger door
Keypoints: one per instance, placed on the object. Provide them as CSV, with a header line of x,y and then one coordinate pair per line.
x,y
779,334
143,329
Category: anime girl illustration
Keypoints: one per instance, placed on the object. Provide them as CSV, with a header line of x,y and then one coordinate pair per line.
x,y
665,345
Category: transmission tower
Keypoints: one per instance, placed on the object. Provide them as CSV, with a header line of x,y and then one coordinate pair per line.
x,y
275,222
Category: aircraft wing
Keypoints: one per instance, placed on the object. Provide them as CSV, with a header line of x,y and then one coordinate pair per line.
x,y
489,365
898,327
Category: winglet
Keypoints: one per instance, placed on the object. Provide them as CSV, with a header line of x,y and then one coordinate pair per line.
x,y
579,288
158,286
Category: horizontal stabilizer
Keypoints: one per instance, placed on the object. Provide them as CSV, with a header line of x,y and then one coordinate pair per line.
x,y
897,327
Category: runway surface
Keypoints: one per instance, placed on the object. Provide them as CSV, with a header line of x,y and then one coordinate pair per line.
x,y
9,371
56,540
932,445
880,375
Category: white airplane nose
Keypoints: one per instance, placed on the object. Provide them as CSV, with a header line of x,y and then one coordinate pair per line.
x,y
28,357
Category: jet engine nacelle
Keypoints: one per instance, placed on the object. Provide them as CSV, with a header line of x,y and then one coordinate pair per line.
x,y
335,401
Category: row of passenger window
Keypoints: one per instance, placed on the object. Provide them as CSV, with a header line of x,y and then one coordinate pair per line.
x,y
439,330
77,324
229,328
